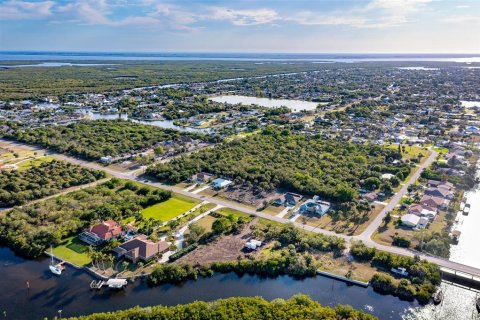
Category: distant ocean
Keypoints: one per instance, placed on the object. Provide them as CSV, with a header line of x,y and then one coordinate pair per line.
x,y
182,56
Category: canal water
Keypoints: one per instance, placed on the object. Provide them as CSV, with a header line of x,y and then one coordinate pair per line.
x,y
70,293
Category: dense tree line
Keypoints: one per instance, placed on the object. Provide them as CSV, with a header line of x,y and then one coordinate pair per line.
x,y
309,165
421,282
22,83
30,230
298,307
45,179
94,139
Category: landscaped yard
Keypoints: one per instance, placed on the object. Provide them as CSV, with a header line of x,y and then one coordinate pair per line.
x,y
173,207
74,251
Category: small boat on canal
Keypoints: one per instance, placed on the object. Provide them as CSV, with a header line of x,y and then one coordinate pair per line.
x,y
114,283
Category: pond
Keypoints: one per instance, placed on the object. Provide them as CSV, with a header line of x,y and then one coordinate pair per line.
x,y
294,105
167,124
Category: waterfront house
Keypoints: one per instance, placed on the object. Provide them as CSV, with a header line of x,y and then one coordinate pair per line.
x,y
435,202
140,248
440,192
101,232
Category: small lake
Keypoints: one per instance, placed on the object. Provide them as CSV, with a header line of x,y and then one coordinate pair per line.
x,y
294,105
167,124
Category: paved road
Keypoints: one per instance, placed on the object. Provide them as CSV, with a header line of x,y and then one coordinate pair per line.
x,y
365,236
373,226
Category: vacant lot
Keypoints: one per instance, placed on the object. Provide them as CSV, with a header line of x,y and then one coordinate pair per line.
x,y
24,165
74,251
206,222
341,226
170,209
225,248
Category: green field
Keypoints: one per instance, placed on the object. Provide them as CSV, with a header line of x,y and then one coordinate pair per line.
x,y
170,209
227,211
34,162
74,251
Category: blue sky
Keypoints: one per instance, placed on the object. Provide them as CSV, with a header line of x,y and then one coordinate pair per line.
x,y
241,26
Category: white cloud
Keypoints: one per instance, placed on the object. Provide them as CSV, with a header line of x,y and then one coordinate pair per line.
x,y
15,9
376,14
244,17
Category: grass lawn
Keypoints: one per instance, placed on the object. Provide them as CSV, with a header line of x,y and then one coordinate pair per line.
x,y
34,162
74,251
273,210
167,210
206,222
227,211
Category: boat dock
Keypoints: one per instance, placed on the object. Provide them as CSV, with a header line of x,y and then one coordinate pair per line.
x,y
111,283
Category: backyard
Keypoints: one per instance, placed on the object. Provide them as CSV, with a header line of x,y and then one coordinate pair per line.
x,y
73,250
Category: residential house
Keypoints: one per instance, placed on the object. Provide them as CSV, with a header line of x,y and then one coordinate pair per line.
x,y
371,196
140,248
220,183
414,221
201,177
101,232
440,192
315,207
423,211
435,202
288,199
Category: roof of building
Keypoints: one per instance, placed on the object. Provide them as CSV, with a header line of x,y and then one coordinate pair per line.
x,y
142,247
410,219
107,229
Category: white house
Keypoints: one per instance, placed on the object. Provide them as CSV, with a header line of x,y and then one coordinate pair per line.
x,y
220,183
413,221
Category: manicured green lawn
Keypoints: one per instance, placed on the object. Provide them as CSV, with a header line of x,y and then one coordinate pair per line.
x,y
74,251
173,207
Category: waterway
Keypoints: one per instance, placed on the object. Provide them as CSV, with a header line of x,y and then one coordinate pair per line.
x,y
294,105
222,56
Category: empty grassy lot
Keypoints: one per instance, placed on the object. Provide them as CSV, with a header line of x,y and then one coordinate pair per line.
x,y
24,165
74,251
206,222
170,209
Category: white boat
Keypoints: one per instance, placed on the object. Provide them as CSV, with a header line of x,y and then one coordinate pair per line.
x,y
116,283
56,269
462,205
